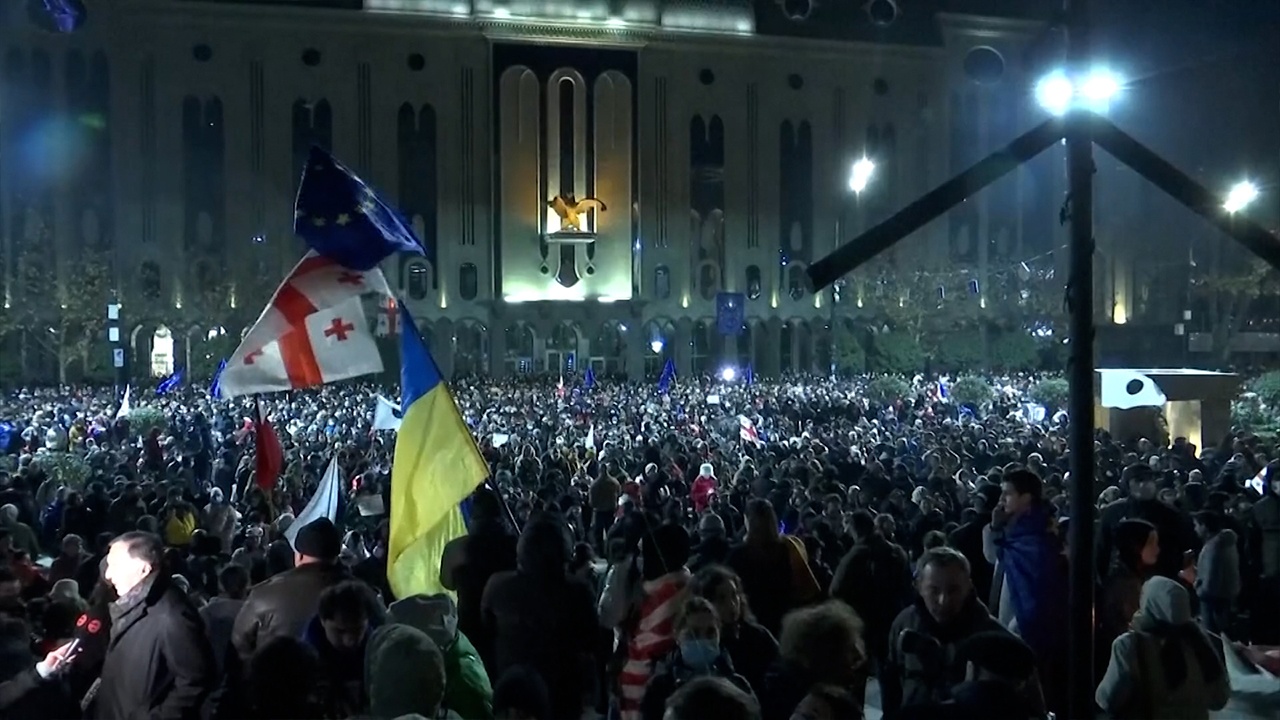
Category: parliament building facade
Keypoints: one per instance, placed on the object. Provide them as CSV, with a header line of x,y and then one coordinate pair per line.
x,y
701,146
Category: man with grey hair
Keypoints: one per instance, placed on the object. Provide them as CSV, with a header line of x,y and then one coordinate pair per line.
x,y
22,536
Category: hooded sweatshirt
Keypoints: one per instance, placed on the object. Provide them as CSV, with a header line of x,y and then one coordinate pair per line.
x,y
703,488
1166,667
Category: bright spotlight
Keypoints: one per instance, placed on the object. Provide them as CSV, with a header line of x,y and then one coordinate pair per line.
x,y
1101,86
728,374
1241,195
861,174
1055,92
656,346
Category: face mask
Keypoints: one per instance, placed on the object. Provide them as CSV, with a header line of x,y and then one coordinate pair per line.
x,y
699,653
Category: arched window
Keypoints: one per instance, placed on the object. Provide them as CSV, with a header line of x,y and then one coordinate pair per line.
x,y
755,284
661,282
419,281
708,280
468,281
796,282
149,280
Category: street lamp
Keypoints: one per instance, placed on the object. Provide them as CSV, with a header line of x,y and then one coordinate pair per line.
x,y
656,346
1240,196
861,174
1058,92
728,374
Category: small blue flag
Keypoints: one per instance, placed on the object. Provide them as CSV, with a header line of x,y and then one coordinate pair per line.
x,y
731,309
215,387
751,375
8,433
345,220
170,383
589,380
668,376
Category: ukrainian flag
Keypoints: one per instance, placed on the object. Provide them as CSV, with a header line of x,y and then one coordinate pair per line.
x,y
437,466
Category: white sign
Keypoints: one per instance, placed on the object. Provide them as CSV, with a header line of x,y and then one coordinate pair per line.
x,y
117,357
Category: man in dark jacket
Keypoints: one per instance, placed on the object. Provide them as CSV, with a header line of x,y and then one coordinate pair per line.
x,y
468,562
1176,535
285,603
874,579
159,663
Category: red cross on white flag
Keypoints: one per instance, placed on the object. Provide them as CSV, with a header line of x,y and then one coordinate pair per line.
x,y
314,331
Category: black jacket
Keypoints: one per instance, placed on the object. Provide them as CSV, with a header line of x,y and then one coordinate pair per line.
x,y
159,664
283,605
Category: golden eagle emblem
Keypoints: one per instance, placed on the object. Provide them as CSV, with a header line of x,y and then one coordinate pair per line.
x,y
570,210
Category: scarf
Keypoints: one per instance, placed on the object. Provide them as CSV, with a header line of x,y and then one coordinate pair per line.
x,y
1033,575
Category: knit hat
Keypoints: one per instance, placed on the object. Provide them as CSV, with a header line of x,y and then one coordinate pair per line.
x,y
319,539
435,615
707,470
403,672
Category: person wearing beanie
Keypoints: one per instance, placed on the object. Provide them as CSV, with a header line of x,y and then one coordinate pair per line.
x,y
285,603
404,674
467,689
703,488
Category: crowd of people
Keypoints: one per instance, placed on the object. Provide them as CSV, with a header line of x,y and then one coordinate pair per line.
x,y
635,554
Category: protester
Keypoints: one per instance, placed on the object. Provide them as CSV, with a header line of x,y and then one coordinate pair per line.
x,y
159,660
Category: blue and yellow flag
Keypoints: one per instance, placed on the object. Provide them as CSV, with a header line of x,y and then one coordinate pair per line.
x,y
437,466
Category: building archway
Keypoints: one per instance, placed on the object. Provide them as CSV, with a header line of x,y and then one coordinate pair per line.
x,y
162,352
470,348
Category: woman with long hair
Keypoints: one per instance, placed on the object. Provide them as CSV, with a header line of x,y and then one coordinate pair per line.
x,y
1137,547
752,648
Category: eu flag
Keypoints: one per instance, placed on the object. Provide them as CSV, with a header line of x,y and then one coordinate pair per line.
x,y
170,383
668,376
345,220
215,387
589,380
731,313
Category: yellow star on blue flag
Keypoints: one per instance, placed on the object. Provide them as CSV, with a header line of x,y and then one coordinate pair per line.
x,y
342,218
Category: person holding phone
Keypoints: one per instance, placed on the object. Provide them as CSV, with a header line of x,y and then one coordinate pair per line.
x,y
12,691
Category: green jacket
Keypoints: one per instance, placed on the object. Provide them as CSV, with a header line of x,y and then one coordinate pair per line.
x,y
467,690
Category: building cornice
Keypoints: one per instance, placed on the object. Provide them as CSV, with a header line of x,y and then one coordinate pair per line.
x,y
166,14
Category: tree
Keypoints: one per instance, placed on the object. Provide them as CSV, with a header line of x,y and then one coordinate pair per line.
x,y
1225,286
850,357
64,313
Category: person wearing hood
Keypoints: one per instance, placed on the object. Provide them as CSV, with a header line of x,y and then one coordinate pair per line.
x,y
467,688
1216,576
1165,667
469,562
703,488
22,537
541,616
713,543
405,676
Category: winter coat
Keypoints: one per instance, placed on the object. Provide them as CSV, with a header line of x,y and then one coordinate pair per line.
x,y
159,664
1218,570
1266,515
703,489
283,605
1137,683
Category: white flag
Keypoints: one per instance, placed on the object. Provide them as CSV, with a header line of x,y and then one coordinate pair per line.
x,y
386,415
1127,389
314,331
125,407
324,504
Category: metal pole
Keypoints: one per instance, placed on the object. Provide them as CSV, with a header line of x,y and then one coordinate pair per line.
x,y
1080,169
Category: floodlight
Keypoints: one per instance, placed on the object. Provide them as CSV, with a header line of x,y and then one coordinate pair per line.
x,y
728,374
1240,196
861,174
1055,92
656,346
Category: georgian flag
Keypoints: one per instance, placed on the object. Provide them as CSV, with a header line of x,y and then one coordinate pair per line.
x,y
314,331
747,431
